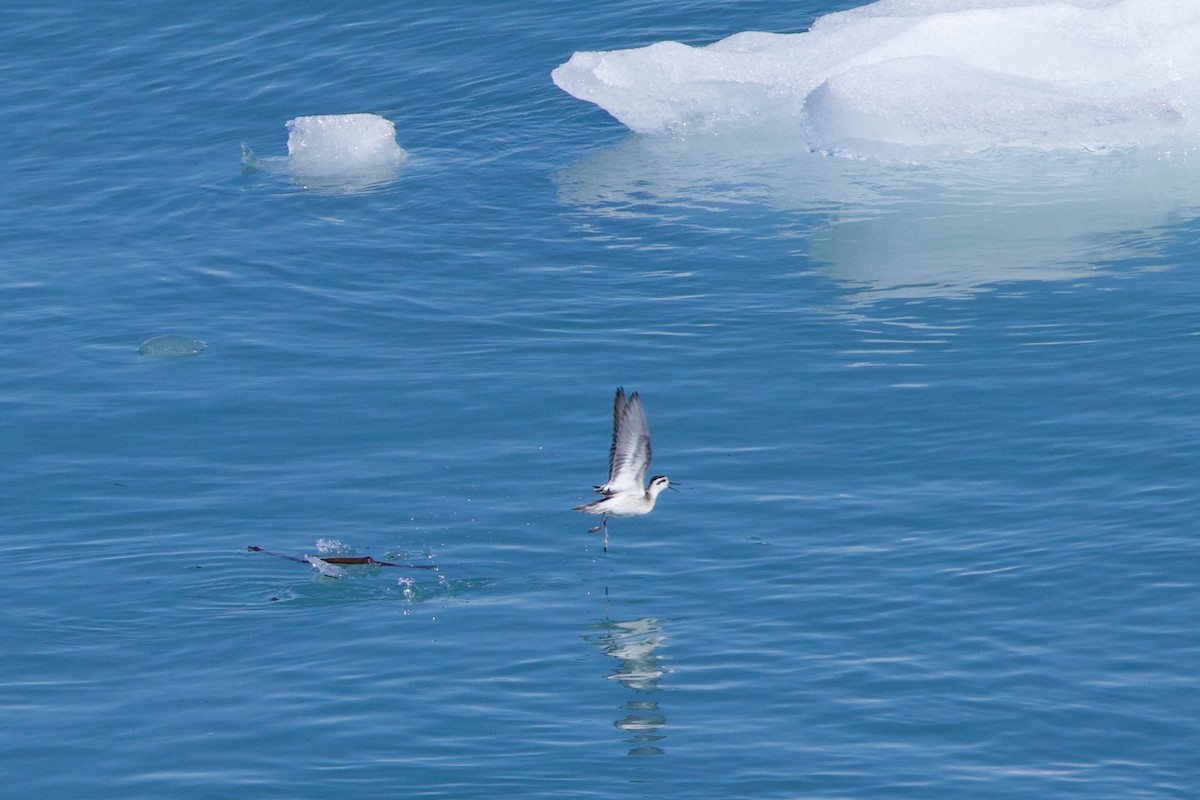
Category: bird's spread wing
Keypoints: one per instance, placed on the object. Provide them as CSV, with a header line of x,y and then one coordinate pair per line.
x,y
629,456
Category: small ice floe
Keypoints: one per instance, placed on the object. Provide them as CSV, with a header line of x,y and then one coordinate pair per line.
x,y
171,346
335,153
343,152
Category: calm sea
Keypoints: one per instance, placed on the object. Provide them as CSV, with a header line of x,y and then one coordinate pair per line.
x,y
937,443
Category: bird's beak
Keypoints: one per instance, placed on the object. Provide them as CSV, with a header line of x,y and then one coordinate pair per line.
x,y
672,486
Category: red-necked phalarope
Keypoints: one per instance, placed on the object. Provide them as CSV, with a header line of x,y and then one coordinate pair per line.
x,y
628,460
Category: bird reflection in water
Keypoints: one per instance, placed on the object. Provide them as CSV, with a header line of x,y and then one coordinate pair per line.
x,y
634,644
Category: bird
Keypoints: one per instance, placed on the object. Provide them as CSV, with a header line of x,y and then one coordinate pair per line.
x,y
628,460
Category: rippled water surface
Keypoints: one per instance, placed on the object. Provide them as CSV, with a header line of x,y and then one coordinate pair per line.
x,y
936,430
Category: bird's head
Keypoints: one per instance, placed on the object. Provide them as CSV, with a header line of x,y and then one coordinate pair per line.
x,y
657,484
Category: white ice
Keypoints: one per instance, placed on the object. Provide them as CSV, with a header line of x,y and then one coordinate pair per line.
x,y
346,151
919,79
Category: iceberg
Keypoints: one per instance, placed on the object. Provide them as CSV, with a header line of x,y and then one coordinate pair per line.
x,y
917,80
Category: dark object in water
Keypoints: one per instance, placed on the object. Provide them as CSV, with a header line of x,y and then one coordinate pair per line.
x,y
342,561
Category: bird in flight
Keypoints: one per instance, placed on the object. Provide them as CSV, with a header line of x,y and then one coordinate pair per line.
x,y
628,460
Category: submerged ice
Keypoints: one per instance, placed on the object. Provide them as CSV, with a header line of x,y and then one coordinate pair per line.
x,y
910,78
171,346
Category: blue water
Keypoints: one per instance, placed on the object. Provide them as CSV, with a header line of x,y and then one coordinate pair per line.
x,y
936,534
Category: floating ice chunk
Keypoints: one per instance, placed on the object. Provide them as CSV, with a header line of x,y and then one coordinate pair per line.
x,y
343,142
930,106
171,346
346,151
925,76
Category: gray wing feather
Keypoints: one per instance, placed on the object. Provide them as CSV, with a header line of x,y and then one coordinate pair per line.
x,y
629,456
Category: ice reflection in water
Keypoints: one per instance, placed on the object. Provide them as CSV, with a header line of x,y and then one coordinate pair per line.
x,y
899,230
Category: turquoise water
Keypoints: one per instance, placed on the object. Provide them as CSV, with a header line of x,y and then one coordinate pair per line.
x,y
936,431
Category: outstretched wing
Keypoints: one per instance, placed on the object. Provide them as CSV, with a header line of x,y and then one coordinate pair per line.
x,y
629,456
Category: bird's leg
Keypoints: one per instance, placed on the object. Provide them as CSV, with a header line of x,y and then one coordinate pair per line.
x,y
604,524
